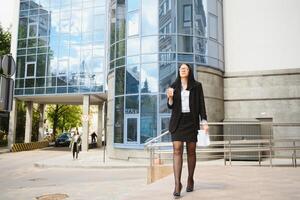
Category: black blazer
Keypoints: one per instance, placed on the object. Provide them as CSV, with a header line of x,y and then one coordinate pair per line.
x,y
197,106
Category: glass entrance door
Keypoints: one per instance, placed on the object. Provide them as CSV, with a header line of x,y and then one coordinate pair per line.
x,y
164,126
131,129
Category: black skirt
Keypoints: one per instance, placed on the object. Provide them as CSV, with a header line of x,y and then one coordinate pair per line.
x,y
185,130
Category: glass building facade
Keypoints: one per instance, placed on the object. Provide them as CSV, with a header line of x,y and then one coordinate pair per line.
x,y
61,47
149,39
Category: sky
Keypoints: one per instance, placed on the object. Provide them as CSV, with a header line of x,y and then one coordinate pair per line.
x,y
7,9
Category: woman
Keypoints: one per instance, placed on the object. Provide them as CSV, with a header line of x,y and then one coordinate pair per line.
x,y
185,98
75,144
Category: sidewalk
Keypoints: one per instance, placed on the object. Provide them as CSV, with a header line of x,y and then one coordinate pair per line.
x,y
90,159
94,159
228,183
4,150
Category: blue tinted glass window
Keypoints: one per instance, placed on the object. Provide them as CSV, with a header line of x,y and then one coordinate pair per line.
x,y
132,79
148,123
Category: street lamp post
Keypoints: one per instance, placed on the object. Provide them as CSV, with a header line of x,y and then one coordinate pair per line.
x,y
7,70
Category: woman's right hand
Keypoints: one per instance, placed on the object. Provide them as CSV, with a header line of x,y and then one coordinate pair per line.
x,y
170,93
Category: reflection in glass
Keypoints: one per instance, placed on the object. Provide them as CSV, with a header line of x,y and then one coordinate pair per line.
x,y
149,17
29,82
120,20
88,19
200,45
63,66
41,65
186,58
133,60
132,104
133,5
167,75
185,44
132,79
99,22
76,21
149,58
120,49
163,104
185,16
19,83
164,125
40,82
133,23
119,120
149,44
200,23
61,80
119,86
167,43
20,71
149,78
148,117
213,26
132,129
133,46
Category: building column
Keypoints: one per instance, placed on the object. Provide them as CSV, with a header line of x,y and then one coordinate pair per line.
x,y
12,125
28,124
41,122
100,125
85,122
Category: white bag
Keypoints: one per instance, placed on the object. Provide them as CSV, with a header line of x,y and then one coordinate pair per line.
x,y
203,138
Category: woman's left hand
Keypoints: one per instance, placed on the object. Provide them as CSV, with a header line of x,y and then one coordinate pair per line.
x,y
205,127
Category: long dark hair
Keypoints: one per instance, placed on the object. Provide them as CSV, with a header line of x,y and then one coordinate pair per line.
x,y
191,78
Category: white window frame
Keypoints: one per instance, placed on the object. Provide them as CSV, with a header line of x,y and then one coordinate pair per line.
x,y
28,29
131,116
29,63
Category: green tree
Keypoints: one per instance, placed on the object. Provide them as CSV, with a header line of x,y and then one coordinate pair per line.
x,y
35,123
64,117
5,38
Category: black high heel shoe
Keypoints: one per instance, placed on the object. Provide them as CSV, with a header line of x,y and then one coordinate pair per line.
x,y
190,188
177,194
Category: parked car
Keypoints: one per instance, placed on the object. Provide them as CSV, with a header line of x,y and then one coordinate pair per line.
x,y
63,140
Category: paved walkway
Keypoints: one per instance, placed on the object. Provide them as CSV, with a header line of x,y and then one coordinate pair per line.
x,y
123,180
229,183
4,150
91,159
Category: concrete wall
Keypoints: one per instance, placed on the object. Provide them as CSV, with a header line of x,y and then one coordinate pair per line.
x,y
261,34
212,83
268,94
272,94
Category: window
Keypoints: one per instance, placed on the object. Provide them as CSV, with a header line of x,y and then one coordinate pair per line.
x,y
32,30
30,69
133,23
187,15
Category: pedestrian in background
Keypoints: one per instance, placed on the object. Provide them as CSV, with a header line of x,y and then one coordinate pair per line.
x,y
75,144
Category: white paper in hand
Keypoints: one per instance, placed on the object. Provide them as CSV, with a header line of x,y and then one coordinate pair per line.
x,y
203,138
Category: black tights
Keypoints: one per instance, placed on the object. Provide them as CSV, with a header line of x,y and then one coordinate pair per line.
x,y
177,162
75,150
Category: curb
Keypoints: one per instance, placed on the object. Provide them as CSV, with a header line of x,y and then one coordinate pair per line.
x,y
42,165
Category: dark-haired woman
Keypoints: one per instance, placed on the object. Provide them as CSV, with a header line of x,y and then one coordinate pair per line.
x,y
185,98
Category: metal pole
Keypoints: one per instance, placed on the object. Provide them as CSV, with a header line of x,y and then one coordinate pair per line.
x,y
295,157
270,149
259,155
230,151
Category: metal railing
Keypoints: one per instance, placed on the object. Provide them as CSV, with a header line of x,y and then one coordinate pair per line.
x,y
239,141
